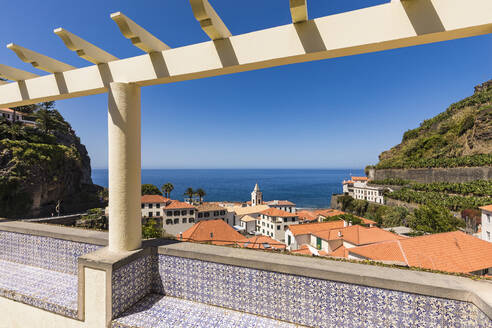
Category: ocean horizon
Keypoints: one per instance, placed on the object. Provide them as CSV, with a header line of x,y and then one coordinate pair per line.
x,y
307,188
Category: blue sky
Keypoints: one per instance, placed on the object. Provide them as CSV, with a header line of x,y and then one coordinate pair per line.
x,y
336,113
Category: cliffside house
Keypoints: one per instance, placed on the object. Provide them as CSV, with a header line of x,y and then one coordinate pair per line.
x,y
11,115
358,188
486,223
449,251
274,222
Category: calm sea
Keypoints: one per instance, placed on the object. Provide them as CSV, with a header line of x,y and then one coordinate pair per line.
x,y
306,188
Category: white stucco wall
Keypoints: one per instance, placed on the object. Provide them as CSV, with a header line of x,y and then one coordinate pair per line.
x,y
487,226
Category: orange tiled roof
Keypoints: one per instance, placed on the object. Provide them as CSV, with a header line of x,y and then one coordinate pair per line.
x,y
449,251
176,204
308,228
216,232
341,251
8,110
305,250
277,212
153,199
360,178
486,208
205,207
348,182
279,203
358,235
259,242
305,215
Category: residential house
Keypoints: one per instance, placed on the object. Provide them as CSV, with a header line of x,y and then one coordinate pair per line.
x,y
486,222
358,188
153,205
11,115
178,216
238,212
274,222
300,234
262,242
216,232
449,251
248,224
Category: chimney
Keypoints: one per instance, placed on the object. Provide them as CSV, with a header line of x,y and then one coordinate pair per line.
x,y
181,236
339,233
350,223
344,223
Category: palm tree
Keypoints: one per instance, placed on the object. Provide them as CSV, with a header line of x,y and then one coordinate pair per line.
x,y
190,193
200,193
167,188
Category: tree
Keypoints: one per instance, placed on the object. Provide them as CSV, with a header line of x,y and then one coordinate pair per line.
x,y
395,216
44,121
150,189
190,193
151,230
167,188
201,193
433,218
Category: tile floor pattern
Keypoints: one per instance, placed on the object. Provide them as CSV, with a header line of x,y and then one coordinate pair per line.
x,y
50,290
157,311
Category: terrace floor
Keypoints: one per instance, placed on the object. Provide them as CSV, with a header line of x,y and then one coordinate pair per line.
x,y
158,311
47,289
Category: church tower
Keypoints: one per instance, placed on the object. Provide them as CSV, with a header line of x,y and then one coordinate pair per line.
x,y
256,196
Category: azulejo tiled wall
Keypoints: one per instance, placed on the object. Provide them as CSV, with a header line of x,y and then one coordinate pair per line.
x,y
44,252
133,281
309,301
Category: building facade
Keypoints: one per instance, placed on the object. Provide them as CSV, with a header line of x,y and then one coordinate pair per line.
x,y
274,223
486,223
12,116
358,188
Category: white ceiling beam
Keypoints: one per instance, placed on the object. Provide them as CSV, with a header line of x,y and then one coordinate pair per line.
x,y
298,11
139,37
209,20
14,74
38,60
372,29
84,49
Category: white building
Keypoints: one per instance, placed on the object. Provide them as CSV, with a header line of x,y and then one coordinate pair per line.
x,y
358,188
274,223
8,114
486,223
238,212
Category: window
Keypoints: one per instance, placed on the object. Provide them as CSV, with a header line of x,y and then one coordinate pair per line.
x,y
143,205
200,215
176,221
151,214
263,230
169,213
263,223
176,213
206,214
192,211
488,218
150,205
183,212
191,220
158,205
184,220
216,213
488,235
278,227
169,221
157,213
222,212
289,240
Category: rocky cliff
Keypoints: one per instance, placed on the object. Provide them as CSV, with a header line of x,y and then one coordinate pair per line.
x,y
42,165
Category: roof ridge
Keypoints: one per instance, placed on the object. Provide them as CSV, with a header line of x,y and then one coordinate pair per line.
x,y
402,252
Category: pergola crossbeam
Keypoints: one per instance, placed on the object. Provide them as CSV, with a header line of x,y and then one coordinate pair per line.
x,y
388,26
139,37
14,74
298,11
84,49
38,60
209,21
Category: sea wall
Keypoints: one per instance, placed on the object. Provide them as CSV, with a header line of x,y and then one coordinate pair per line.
x,y
429,175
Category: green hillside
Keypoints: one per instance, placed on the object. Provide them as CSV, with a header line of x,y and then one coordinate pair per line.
x,y
461,136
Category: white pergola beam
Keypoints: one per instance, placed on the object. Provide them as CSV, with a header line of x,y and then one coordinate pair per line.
x,y
298,11
38,60
209,20
84,49
139,37
383,27
14,74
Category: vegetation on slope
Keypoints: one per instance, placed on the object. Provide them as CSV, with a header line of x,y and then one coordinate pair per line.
x,y
472,188
461,136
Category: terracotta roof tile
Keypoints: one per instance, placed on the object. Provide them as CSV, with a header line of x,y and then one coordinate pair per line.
x,y
487,208
308,228
153,199
206,207
341,251
176,204
277,212
358,235
360,178
261,242
450,251
216,232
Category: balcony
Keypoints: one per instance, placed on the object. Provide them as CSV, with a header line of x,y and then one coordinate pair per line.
x,y
64,277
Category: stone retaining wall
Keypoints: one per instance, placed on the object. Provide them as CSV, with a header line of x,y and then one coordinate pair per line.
x,y
429,175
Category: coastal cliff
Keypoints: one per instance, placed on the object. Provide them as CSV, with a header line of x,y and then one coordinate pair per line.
x,y
43,164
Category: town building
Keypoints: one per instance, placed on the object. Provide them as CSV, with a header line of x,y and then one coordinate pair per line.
x,y
262,242
274,222
11,115
212,211
257,199
216,232
449,251
238,212
358,188
153,205
248,224
348,237
300,234
486,223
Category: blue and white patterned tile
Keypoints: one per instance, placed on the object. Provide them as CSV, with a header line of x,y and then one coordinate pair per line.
x,y
157,311
46,289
